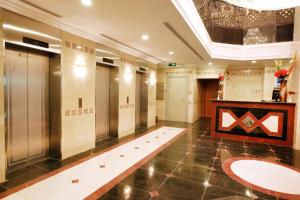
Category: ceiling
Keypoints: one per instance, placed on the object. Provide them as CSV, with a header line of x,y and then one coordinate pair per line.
x,y
124,21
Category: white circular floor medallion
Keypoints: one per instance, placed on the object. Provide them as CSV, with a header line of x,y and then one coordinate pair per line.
x,y
268,175
265,176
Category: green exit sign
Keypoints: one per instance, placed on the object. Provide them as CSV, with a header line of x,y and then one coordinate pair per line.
x,y
172,64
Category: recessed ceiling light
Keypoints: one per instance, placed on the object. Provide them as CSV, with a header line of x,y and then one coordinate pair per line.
x,y
79,47
171,52
253,61
210,63
86,2
145,37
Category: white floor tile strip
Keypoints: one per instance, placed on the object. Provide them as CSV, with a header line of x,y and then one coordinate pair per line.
x,y
89,173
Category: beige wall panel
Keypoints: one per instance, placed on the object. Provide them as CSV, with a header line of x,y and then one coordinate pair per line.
x,y
126,110
2,125
152,103
78,127
244,84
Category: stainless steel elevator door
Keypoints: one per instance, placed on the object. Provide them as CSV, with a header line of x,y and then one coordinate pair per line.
x,y
26,97
102,102
138,100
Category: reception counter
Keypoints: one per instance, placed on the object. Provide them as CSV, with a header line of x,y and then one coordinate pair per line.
x,y
265,122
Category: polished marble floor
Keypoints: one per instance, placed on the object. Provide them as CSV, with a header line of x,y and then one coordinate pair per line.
x,y
190,168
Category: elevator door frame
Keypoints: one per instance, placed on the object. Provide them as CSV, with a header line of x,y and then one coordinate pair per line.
x,y
45,116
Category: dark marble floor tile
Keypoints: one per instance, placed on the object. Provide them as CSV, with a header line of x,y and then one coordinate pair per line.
x,y
2,189
160,166
25,171
125,192
225,182
257,146
213,192
182,147
171,155
201,161
260,153
49,164
17,177
192,172
209,153
233,143
145,179
263,196
175,188
229,152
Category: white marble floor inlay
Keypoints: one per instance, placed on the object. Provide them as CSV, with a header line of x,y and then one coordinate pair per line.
x,y
268,175
92,174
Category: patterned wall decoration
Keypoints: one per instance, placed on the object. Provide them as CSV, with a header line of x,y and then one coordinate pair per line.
x,y
79,111
79,47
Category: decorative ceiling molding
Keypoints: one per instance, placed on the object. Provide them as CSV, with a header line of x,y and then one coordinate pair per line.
x,y
220,13
278,50
265,4
22,8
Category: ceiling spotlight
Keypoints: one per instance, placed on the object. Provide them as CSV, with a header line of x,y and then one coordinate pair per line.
x,y
210,63
86,2
253,61
145,37
171,52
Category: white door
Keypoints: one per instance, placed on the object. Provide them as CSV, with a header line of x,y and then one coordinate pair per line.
x,y
177,99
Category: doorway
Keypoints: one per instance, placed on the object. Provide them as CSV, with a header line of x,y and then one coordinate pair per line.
x,y
208,90
141,100
177,96
26,104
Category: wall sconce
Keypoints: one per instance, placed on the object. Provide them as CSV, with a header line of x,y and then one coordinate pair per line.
x,y
79,69
128,74
152,78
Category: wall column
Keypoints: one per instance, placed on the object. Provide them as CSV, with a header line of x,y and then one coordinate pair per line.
x,y
294,80
2,123
151,100
127,76
78,69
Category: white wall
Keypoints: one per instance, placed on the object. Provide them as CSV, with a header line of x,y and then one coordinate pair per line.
x,y
294,81
244,84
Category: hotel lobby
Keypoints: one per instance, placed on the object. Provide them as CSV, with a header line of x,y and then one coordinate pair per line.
x,y
150,99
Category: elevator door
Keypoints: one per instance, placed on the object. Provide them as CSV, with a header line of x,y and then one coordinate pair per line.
x,y
27,92
102,102
138,100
